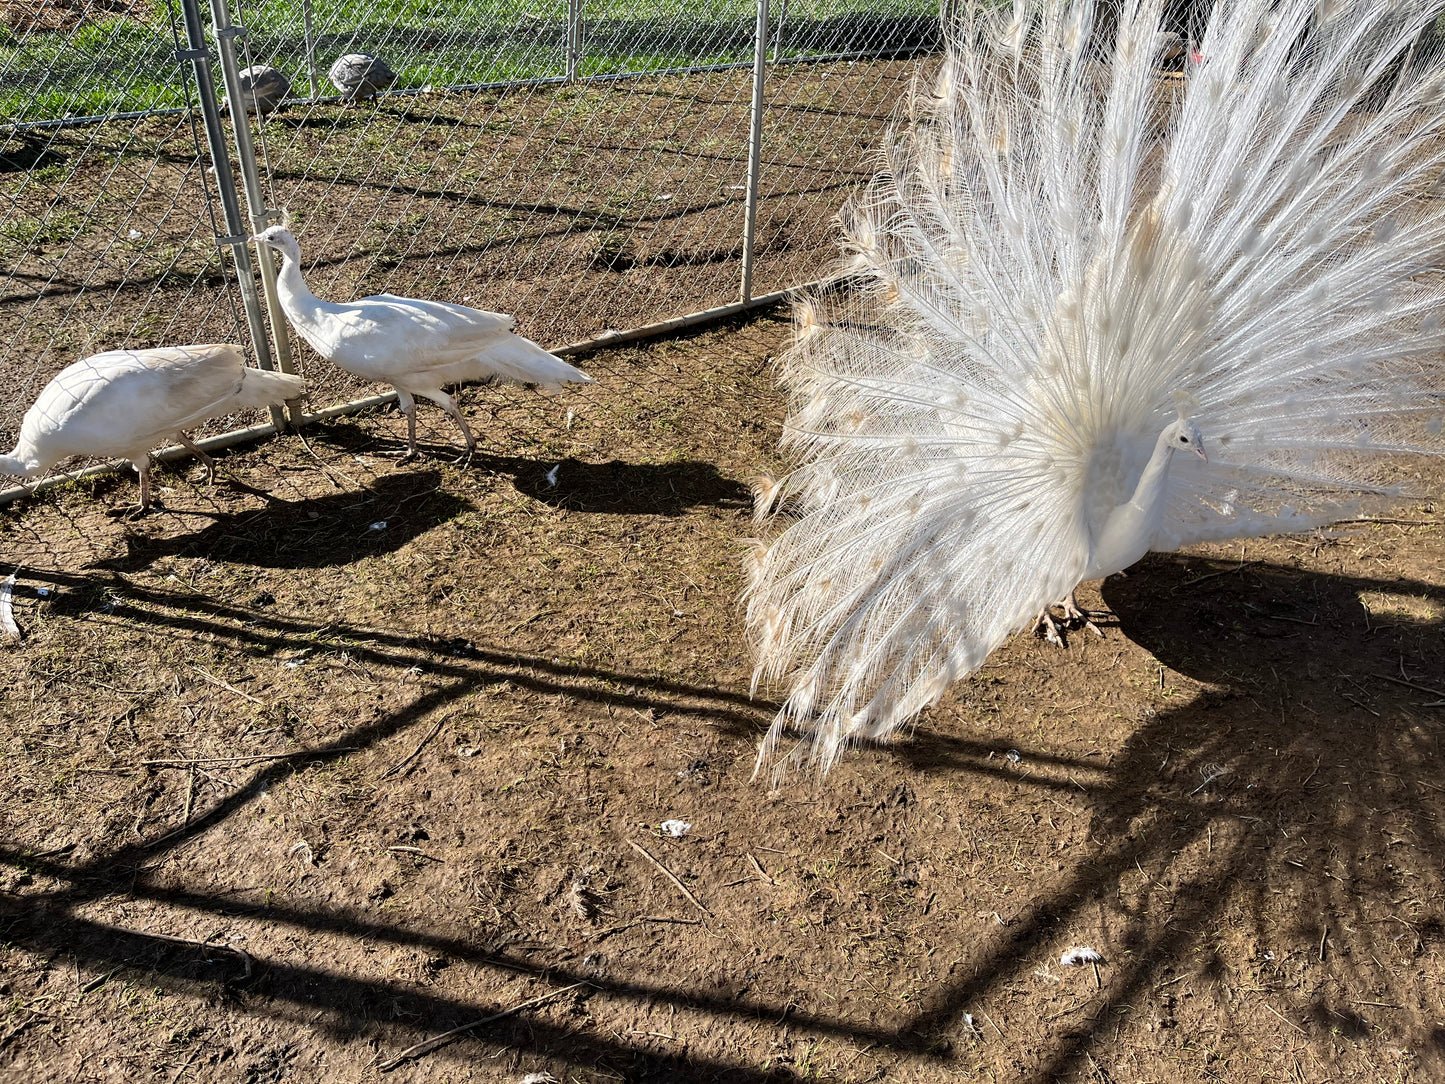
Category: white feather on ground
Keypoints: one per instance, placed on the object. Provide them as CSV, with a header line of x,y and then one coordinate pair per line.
x,y
123,403
1056,276
418,347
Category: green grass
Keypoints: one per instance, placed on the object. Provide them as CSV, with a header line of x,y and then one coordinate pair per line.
x,y
124,65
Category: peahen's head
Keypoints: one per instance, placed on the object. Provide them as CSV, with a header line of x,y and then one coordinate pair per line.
x,y
282,240
1183,435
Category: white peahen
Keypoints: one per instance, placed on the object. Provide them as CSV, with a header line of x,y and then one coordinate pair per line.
x,y
418,347
1057,282
122,403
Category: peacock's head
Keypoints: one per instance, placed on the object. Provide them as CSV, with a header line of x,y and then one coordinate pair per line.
x,y
282,240
1183,435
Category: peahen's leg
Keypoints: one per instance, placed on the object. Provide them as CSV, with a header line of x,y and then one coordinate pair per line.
x,y
210,463
408,407
447,403
143,468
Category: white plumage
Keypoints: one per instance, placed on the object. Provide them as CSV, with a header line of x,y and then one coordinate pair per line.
x,y
1054,279
360,75
418,347
263,88
122,403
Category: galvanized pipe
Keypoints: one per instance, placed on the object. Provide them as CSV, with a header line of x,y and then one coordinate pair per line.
x,y
574,40
226,34
755,147
225,179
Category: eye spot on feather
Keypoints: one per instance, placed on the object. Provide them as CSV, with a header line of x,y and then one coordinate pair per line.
x,y
1434,426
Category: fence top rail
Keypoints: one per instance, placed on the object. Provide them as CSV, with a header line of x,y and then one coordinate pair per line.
x,y
896,53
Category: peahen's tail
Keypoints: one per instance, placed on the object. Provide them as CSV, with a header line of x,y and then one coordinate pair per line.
x,y
263,388
513,357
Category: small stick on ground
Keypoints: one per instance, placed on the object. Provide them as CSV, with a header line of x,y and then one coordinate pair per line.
x,y
640,849
245,959
761,872
214,680
196,762
428,1045
400,764
1412,685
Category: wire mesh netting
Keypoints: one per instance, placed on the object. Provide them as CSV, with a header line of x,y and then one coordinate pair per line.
x,y
482,174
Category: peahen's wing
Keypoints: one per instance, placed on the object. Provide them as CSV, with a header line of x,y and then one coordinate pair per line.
x,y
123,402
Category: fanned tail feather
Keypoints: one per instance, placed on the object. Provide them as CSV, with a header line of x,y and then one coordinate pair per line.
x,y
1059,249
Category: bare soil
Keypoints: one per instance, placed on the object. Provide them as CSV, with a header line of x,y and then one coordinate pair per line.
x,y
337,755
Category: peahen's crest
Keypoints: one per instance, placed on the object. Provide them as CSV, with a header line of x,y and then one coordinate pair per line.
x,y
1064,254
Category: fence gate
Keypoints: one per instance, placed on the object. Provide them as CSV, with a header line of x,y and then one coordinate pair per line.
x,y
586,165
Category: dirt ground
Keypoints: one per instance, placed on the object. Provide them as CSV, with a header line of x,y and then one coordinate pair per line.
x,y
338,755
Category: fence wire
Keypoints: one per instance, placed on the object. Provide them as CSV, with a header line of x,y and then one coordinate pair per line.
x,y
582,166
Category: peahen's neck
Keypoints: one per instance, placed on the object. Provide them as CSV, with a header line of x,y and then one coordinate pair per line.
x,y
301,306
1129,530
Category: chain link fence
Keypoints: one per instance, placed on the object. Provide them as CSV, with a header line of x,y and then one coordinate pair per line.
x,y
584,166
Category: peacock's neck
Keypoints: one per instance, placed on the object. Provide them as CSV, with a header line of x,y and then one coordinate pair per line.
x,y
1129,530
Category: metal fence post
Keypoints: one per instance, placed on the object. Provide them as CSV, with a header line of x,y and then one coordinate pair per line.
x,y
310,47
755,147
574,40
239,237
226,34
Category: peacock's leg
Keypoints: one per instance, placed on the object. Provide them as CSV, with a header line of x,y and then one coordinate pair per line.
x,y
210,463
1079,616
447,403
1074,617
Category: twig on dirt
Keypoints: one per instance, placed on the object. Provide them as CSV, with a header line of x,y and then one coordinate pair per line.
x,y
245,959
7,612
416,851
196,762
428,1045
1214,575
1323,934
649,918
991,1024
190,797
640,849
400,764
214,680
1081,1005
761,872
326,466
1286,1019
1412,685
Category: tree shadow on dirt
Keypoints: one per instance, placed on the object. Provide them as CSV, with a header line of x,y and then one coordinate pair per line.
x,y
1273,781
1306,755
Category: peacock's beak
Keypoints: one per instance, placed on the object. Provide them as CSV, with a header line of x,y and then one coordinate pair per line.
x,y
1201,453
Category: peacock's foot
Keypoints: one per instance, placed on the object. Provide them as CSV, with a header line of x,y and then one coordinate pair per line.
x,y
1047,628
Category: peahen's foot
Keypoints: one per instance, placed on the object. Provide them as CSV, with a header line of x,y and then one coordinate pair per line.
x,y
1074,617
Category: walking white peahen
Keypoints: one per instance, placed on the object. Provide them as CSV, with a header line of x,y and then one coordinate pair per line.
x,y
418,347
122,403
1057,282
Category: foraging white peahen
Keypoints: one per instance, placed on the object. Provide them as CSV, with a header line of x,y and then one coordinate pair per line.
x,y
360,75
418,347
123,403
1059,282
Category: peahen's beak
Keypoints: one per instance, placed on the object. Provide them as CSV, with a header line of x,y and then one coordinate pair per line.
x,y
1201,453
